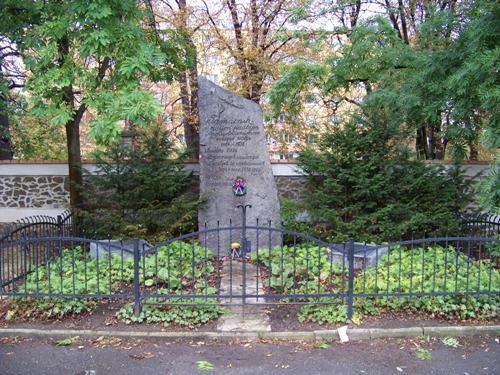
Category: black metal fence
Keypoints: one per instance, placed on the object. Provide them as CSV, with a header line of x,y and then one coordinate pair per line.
x,y
484,225
14,263
221,266
39,226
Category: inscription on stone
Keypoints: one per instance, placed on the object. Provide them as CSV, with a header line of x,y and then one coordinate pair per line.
x,y
232,144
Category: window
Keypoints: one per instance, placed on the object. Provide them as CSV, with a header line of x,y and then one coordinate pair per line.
x,y
275,156
270,140
310,120
312,138
212,59
290,138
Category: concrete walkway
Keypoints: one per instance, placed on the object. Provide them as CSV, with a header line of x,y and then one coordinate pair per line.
x,y
242,318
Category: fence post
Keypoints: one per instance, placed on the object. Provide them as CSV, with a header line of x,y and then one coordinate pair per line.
x,y
137,291
59,234
350,292
59,226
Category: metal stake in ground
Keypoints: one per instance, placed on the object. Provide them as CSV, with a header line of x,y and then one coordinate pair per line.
x,y
244,247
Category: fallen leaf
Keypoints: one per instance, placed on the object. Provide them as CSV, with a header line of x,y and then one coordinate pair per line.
x,y
142,356
204,366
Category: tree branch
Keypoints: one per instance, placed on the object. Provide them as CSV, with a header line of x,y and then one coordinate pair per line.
x,y
217,31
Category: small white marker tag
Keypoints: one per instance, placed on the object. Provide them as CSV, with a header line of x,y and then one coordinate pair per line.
x,y
343,334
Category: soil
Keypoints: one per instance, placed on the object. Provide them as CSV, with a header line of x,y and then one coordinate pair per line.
x,y
102,318
285,318
282,318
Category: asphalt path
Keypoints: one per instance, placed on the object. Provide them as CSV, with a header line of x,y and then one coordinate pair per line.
x,y
470,356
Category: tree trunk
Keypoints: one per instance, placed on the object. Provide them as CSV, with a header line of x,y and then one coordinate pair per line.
x,y
421,143
439,144
72,136
190,117
431,144
194,117
74,164
474,152
440,149
5,143
188,81
402,17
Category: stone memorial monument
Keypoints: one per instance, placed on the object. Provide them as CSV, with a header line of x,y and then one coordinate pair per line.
x,y
234,170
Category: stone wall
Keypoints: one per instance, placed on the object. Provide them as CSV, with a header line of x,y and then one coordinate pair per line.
x,y
34,191
52,191
292,187
28,189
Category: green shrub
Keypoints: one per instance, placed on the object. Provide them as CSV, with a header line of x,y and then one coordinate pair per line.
x,y
289,211
142,192
364,185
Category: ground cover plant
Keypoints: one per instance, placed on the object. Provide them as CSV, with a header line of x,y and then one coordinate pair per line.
x,y
299,269
434,268
173,269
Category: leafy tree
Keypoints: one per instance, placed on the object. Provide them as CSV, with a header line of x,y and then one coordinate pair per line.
x,y
11,75
475,83
439,84
260,36
33,139
89,56
174,20
142,191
